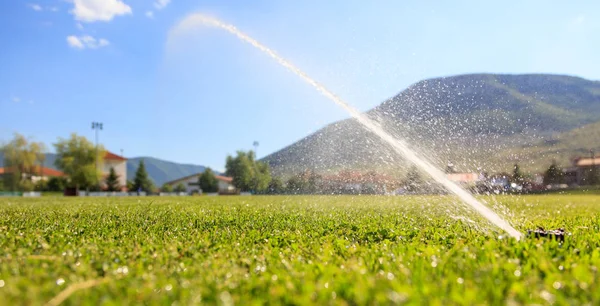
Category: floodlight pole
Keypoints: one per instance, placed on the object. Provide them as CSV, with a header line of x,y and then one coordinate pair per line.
x,y
97,126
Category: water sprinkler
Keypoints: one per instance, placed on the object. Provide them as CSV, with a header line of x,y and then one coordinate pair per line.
x,y
558,234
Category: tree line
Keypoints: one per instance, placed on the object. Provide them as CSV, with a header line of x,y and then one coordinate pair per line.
x,y
77,157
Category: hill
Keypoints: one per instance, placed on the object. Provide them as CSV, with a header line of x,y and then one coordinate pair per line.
x,y
469,120
160,171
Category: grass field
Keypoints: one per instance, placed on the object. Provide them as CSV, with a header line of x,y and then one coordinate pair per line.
x,y
294,250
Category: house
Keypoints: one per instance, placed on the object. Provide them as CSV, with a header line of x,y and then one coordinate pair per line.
x,y
36,174
191,183
465,178
119,163
580,170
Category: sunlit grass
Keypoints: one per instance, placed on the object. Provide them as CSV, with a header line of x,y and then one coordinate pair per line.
x,y
296,249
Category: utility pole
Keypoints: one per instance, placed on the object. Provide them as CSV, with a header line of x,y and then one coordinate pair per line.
x,y
97,126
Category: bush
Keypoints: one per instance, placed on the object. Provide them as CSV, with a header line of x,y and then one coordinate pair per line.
x,y
167,188
56,184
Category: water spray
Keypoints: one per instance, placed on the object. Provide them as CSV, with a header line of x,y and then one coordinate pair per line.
x,y
398,145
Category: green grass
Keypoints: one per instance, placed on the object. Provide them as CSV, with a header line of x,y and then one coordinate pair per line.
x,y
296,250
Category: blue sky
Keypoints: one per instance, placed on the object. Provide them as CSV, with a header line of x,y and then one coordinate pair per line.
x,y
65,64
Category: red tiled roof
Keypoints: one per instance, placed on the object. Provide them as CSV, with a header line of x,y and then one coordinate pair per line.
x,y
38,171
225,179
112,156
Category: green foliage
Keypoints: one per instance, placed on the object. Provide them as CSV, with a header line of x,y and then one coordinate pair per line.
x,y
112,181
208,182
553,175
76,157
129,185
301,250
142,181
56,184
166,188
297,184
22,159
247,173
276,186
180,188
1,184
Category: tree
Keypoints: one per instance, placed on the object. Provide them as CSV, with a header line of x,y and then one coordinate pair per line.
x,y
180,188
22,159
297,184
112,181
166,188
76,157
517,176
142,181
247,173
129,185
275,186
553,175
208,182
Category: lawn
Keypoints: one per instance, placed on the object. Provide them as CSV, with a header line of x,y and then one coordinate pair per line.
x,y
295,250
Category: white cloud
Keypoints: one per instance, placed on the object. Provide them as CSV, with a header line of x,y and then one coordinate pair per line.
x,y
35,7
79,26
150,14
16,99
99,10
75,42
86,42
53,8
161,4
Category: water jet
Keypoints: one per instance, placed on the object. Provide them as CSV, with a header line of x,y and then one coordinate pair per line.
x,y
398,145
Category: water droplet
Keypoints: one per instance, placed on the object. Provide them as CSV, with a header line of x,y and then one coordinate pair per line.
x,y
561,268
434,264
517,273
168,287
460,280
557,285
1,283
274,277
60,281
390,276
326,285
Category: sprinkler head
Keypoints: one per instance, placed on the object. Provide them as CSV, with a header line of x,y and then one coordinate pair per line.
x,y
558,234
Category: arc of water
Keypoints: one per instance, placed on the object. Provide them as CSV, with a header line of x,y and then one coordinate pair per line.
x,y
398,145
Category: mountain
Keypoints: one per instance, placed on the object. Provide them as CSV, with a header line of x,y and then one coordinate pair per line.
x,y
160,171
475,120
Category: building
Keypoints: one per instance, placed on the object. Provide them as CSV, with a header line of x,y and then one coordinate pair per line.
x,y
37,174
465,178
580,170
119,163
191,183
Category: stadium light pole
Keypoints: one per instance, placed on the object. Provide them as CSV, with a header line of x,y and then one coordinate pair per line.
x,y
97,126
